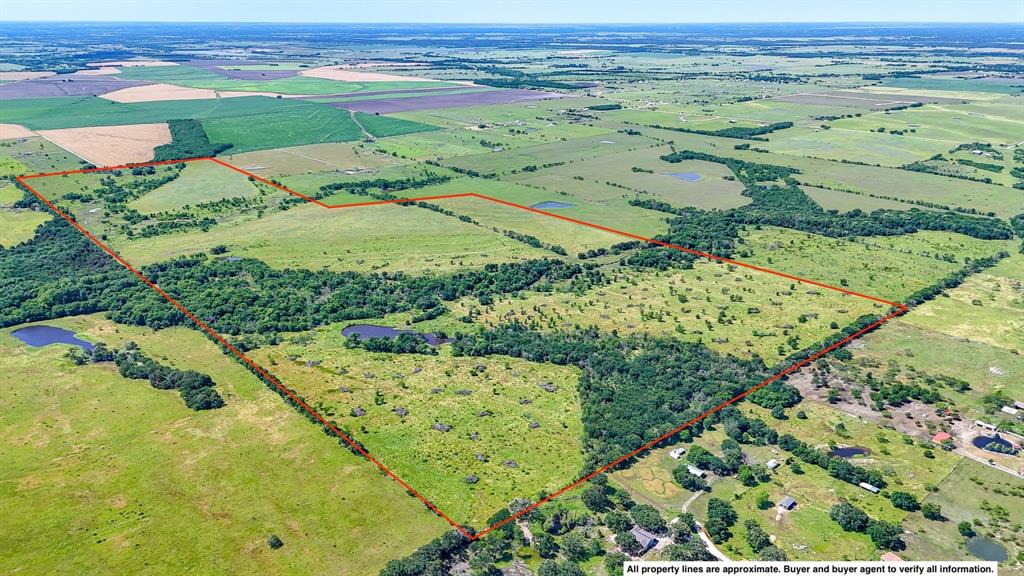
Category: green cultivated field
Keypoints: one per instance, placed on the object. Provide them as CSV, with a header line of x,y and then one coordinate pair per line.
x,y
480,399
96,466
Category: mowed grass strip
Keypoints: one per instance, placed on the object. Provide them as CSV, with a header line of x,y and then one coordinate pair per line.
x,y
511,434
95,465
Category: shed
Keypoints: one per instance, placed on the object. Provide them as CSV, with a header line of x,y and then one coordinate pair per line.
x,y
941,437
869,487
1018,405
1010,410
986,425
771,464
677,453
787,503
696,471
645,538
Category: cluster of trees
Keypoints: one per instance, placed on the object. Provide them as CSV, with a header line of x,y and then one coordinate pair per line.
x,y
188,140
721,517
884,535
632,389
741,132
835,466
761,543
196,388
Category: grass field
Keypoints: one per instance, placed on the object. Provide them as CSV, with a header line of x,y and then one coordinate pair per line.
x,y
595,180
986,308
877,266
573,237
18,226
481,399
311,158
33,155
972,491
198,182
106,475
733,311
846,201
388,238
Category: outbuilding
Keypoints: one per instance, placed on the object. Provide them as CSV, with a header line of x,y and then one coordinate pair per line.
x,y
869,487
677,453
941,437
771,464
787,503
696,471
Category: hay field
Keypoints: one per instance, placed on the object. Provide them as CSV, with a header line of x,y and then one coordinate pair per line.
x,y
111,145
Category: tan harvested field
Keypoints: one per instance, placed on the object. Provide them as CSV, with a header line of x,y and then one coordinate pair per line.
x,y
102,71
343,75
381,64
163,92
19,75
132,63
111,145
12,131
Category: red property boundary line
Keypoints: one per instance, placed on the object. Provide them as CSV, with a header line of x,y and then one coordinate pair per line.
x,y
899,309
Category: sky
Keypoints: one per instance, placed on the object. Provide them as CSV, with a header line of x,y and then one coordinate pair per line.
x,y
517,11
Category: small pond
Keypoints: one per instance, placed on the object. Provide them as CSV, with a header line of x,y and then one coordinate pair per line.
x,y
364,331
849,452
982,441
551,204
40,335
987,549
687,176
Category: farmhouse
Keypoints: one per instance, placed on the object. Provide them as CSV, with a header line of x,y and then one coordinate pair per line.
x,y
869,487
677,453
941,437
696,471
787,503
771,464
645,538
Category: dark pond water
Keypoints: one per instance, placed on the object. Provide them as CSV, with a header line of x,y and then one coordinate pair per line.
x,y
38,336
982,441
849,452
364,331
551,204
688,176
987,549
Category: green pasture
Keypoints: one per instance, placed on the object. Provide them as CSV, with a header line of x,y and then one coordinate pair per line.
x,y
333,156
35,155
17,226
731,310
988,308
479,398
97,466
198,182
596,179
865,266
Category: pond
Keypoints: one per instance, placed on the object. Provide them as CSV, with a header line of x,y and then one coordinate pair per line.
x,y
551,204
849,452
40,335
987,549
983,441
687,176
364,331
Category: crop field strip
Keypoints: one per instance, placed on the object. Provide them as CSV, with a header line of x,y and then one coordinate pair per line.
x,y
898,309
